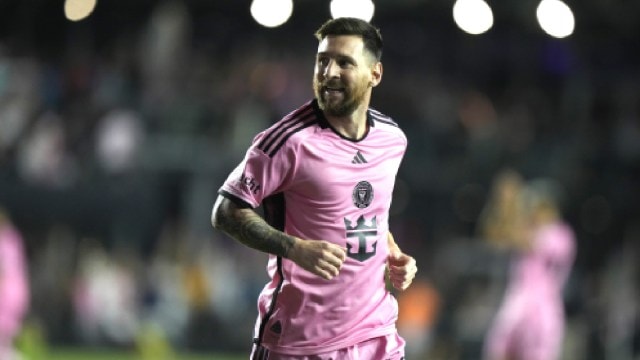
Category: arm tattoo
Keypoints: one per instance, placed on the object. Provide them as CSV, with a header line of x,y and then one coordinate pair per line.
x,y
246,226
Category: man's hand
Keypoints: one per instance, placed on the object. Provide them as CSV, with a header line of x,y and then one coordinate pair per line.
x,y
402,269
318,256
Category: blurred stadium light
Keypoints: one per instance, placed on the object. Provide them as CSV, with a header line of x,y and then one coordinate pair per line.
x,y
362,9
76,10
555,18
271,13
473,16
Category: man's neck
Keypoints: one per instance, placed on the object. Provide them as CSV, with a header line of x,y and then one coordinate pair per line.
x,y
353,126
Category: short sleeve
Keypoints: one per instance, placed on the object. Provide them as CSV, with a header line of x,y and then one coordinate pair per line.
x,y
258,175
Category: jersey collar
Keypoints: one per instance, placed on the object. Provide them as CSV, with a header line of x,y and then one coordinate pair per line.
x,y
324,123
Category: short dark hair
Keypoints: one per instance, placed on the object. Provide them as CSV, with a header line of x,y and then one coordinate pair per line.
x,y
371,35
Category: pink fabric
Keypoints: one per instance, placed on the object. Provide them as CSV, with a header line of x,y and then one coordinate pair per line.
x,y
14,287
530,322
390,347
318,171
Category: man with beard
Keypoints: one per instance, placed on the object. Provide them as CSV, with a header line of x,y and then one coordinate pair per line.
x,y
324,176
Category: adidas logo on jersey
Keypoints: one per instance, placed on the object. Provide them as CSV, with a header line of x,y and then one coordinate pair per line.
x,y
359,159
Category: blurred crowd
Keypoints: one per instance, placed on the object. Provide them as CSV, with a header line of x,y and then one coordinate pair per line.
x,y
112,148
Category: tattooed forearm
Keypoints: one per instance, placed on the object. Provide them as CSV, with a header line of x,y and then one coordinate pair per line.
x,y
246,226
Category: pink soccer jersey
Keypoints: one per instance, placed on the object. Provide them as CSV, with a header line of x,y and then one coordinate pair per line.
x,y
316,184
14,284
530,323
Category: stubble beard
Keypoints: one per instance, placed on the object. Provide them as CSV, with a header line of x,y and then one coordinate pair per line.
x,y
353,98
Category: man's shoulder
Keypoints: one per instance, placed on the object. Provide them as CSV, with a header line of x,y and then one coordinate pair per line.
x,y
380,118
294,123
385,122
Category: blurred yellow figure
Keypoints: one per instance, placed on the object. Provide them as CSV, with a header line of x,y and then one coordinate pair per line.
x,y
152,344
502,219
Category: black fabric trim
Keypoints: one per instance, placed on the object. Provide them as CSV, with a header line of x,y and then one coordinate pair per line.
x,y
236,200
284,132
285,125
370,121
288,135
375,115
260,353
272,306
324,123
274,214
274,210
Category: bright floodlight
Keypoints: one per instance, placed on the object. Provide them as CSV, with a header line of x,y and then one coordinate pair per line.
x,y
361,9
271,13
76,10
555,18
473,16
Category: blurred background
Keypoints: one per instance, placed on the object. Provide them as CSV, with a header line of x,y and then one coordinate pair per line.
x,y
117,128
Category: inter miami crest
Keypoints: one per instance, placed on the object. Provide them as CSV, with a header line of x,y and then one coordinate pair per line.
x,y
362,194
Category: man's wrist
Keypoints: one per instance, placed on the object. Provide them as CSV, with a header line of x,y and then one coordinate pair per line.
x,y
290,247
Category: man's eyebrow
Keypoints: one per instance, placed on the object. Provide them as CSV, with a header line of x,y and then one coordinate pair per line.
x,y
327,53
336,55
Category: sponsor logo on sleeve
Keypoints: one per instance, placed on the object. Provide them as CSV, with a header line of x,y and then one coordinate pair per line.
x,y
250,183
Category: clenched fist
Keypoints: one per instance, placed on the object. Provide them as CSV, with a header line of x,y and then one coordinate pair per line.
x,y
402,269
318,256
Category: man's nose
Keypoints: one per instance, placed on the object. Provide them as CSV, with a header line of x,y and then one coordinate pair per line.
x,y
332,69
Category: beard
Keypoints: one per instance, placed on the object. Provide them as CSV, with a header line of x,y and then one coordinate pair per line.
x,y
352,98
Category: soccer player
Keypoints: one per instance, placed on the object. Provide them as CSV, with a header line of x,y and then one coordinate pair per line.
x,y
14,287
530,322
324,175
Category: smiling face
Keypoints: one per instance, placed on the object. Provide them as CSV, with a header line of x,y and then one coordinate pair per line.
x,y
344,75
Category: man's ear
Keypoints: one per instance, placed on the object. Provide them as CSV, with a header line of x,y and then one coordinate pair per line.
x,y
376,74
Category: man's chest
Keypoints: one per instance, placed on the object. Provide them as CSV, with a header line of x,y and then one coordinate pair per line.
x,y
337,172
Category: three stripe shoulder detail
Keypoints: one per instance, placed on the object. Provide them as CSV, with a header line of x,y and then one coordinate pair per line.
x,y
277,135
380,117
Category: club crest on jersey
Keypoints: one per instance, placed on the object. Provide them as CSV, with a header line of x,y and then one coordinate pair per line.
x,y
362,194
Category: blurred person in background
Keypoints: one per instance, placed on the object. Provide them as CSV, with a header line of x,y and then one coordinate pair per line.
x,y
104,295
501,219
525,218
14,287
419,307
324,175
